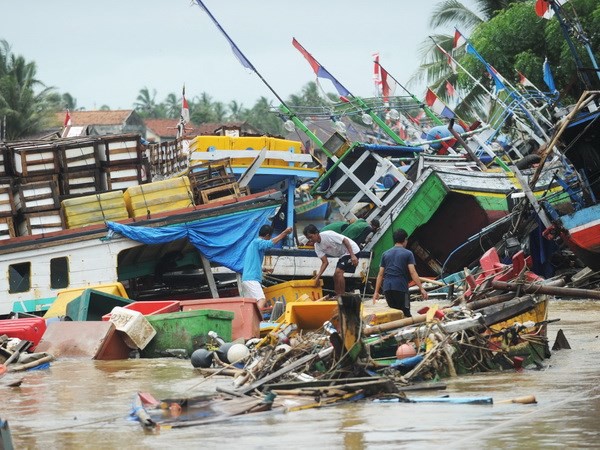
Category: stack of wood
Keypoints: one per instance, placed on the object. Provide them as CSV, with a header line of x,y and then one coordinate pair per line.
x,y
214,181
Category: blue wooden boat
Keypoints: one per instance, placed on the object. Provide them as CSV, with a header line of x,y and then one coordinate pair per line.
x,y
309,208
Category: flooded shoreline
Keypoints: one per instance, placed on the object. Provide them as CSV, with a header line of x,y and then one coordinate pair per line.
x,y
85,404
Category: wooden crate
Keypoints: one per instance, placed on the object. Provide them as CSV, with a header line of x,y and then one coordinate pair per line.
x,y
168,158
219,169
212,177
33,159
7,228
82,182
230,190
7,202
77,155
118,150
123,177
36,197
40,223
3,161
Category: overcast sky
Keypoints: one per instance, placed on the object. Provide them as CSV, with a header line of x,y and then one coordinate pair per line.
x,y
104,52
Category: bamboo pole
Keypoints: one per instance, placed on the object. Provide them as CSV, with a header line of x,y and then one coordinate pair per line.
x,y
546,289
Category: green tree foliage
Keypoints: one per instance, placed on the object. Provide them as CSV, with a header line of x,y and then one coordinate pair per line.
x,y
25,111
518,40
261,118
511,37
146,105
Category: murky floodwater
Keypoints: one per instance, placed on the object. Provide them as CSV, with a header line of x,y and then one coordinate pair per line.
x,y
85,404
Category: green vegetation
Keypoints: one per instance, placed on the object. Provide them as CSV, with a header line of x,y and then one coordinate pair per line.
x,y
510,36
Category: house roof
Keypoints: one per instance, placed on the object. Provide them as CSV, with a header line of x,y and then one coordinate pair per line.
x,y
162,127
83,118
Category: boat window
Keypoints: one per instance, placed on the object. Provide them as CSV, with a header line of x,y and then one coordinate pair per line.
x,y
59,273
19,277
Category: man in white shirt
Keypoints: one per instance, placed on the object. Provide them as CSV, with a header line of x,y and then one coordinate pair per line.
x,y
335,245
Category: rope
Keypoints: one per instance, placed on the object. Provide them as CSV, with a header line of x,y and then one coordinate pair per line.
x,y
145,202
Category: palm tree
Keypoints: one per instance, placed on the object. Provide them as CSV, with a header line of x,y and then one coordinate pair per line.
x,y
24,110
172,106
261,118
236,111
145,103
220,111
434,69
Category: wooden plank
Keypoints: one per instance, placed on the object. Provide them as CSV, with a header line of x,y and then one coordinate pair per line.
x,y
288,157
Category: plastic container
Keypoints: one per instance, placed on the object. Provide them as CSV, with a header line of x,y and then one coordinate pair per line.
x,y
29,329
186,330
59,306
133,324
158,196
93,304
291,290
246,319
309,315
94,209
149,308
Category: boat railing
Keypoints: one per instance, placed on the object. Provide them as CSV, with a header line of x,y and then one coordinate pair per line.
x,y
288,158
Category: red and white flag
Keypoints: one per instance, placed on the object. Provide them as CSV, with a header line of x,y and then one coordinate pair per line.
x,y
185,108
388,85
376,73
524,81
450,89
459,40
67,122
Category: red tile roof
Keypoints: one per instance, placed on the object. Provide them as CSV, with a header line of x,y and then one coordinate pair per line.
x,y
82,118
162,127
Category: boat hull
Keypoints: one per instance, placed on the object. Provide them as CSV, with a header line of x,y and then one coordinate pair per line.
x,y
582,235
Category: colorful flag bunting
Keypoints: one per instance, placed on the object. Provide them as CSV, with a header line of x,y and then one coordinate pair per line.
x,y
437,105
319,70
450,89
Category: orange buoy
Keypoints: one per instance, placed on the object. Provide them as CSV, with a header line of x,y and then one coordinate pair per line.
x,y
405,351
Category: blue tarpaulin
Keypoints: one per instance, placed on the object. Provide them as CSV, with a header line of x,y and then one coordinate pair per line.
x,y
222,240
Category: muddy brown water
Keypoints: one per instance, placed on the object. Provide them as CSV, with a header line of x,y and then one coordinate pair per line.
x,y
85,404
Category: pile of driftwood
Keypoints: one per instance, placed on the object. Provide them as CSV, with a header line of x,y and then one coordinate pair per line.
x,y
497,322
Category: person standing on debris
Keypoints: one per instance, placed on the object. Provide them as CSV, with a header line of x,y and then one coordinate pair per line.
x,y
397,267
253,259
329,243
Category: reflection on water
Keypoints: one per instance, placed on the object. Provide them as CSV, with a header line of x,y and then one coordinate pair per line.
x,y
85,404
